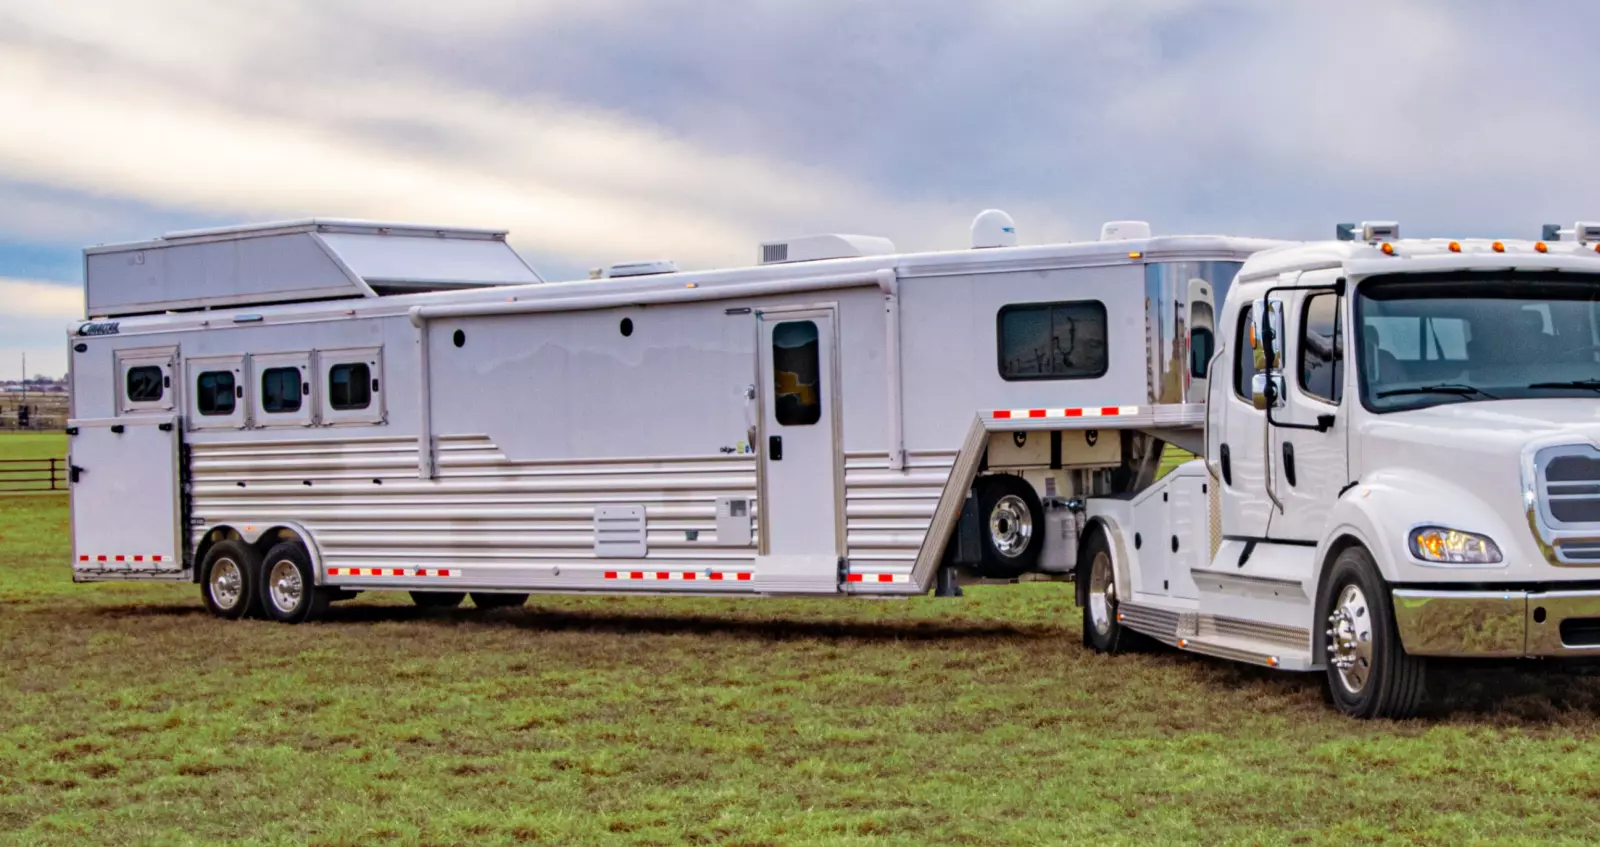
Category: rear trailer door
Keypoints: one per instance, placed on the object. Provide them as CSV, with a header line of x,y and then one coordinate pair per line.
x,y
126,499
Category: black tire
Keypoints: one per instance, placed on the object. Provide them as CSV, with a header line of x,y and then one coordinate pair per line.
x,y
1011,525
237,565
438,599
288,585
1102,632
494,600
1356,614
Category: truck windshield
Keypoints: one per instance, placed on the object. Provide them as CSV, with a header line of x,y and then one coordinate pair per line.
x,y
1464,338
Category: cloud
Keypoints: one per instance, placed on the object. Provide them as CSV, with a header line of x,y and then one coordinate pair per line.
x,y
34,316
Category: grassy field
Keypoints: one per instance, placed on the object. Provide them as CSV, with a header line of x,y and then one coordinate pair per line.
x,y
30,446
129,716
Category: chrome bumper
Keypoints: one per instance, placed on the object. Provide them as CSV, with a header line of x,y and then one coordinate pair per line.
x,y
1498,623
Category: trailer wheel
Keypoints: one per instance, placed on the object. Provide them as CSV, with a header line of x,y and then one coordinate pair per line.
x,y
438,599
495,600
289,590
228,580
1011,521
1102,632
1369,673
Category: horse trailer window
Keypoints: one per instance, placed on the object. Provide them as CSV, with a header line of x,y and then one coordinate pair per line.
x,y
145,384
350,386
797,373
215,393
1053,340
280,390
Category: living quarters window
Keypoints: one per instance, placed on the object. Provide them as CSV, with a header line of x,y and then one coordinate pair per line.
x,y
797,373
350,386
1322,347
145,384
1052,340
280,390
215,393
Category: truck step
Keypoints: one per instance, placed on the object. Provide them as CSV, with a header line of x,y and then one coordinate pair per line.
x,y
1268,644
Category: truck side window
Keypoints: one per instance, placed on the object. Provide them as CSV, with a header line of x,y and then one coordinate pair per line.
x,y
144,384
1053,340
214,393
350,386
1322,348
1244,361
280,390
797,373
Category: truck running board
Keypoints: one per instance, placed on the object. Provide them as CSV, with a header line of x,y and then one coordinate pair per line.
x,y
1263,644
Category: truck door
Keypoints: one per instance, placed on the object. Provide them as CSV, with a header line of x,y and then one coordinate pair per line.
x,y
1240,449
800,509
126,498
1310,468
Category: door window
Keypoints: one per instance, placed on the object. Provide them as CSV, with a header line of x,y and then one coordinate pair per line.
x,y
797,373
1322,347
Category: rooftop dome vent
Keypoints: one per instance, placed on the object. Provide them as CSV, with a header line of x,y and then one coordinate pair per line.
x,y
993,228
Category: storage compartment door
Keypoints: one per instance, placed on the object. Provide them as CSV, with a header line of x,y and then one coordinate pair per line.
x,y
126,502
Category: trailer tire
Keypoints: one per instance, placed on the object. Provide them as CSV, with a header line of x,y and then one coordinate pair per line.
x,y
228,580
1103,632
289,590
1369,674
1011,523
495,600
438,599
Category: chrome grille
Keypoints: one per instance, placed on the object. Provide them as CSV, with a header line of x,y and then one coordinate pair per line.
x,y
1570,483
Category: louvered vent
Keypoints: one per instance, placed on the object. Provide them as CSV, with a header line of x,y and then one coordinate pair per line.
x,y
774,253
619,532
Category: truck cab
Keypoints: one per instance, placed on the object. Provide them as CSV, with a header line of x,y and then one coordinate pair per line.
x,y
1401,461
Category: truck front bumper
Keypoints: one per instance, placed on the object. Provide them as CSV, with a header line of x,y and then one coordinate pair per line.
x,y
1498,623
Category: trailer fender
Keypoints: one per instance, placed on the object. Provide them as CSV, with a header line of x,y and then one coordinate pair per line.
x,y
1381,511
262,536
1119,558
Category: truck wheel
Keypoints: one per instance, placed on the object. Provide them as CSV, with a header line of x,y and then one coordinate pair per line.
x,y
438,599
228,578
1011,522
1102,632
493,600
1369,673
289,590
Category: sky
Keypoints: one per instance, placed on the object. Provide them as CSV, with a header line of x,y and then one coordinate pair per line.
x,y
601,131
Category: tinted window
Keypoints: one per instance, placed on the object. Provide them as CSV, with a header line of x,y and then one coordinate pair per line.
x,y
280,390
1244,360
1322,347
214,393
797,373
1053,340
145,384
350,386
1201,347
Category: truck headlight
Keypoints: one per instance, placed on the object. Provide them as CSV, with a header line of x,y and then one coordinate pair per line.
x,y
1452,546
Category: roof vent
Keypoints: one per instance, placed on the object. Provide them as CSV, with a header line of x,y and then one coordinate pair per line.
x,y
660,266
993,228
1124,230
812,248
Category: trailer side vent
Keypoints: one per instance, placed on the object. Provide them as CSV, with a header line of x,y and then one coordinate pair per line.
x,y
771,253
619,532
733,522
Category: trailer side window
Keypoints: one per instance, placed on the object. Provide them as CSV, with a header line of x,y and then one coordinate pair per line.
x,y
1244,361
1322,348
1053,340
214,393
280,390
145,384
350,386
797,373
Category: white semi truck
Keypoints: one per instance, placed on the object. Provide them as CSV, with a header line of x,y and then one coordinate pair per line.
x,y
1398,436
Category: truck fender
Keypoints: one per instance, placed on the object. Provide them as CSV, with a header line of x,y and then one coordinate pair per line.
x,y
1119,558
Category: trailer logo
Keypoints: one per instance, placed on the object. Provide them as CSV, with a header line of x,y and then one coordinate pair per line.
x,y
104,328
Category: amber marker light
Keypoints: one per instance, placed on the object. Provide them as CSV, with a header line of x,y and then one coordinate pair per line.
x,y
1387,248
1136,255
1455,247
1499,246
1540,247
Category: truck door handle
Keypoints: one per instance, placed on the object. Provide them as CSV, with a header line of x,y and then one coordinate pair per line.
x,y
775,448
1227,466
1288,463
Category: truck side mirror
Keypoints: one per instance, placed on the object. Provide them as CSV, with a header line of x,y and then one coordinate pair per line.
x,y
1267,390
1266,334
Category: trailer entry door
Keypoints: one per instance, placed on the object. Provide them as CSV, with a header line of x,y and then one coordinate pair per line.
x,y
126,512
800,509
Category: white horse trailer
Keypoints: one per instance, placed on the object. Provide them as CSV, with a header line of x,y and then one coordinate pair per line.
x,y
289,414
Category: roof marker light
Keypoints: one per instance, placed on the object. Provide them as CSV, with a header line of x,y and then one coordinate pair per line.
x,y
1387,248
1455,247
1135,254
1540,247
1499,246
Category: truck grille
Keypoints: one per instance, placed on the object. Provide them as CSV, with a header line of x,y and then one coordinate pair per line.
x,y
1572,488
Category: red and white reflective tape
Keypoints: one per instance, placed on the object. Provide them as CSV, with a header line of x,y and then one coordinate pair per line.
x,y
877,577
393,572
687,576
125,559
1089,412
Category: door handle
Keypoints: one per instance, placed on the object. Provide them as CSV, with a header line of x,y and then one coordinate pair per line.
x,y
1288,463
75,473
775,448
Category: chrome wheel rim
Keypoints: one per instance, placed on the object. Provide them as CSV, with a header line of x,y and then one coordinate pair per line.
x,y
286,585
1010,526
227,583
1102,593
1350,639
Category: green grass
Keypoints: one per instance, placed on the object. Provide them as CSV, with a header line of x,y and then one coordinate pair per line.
x,y
129,716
